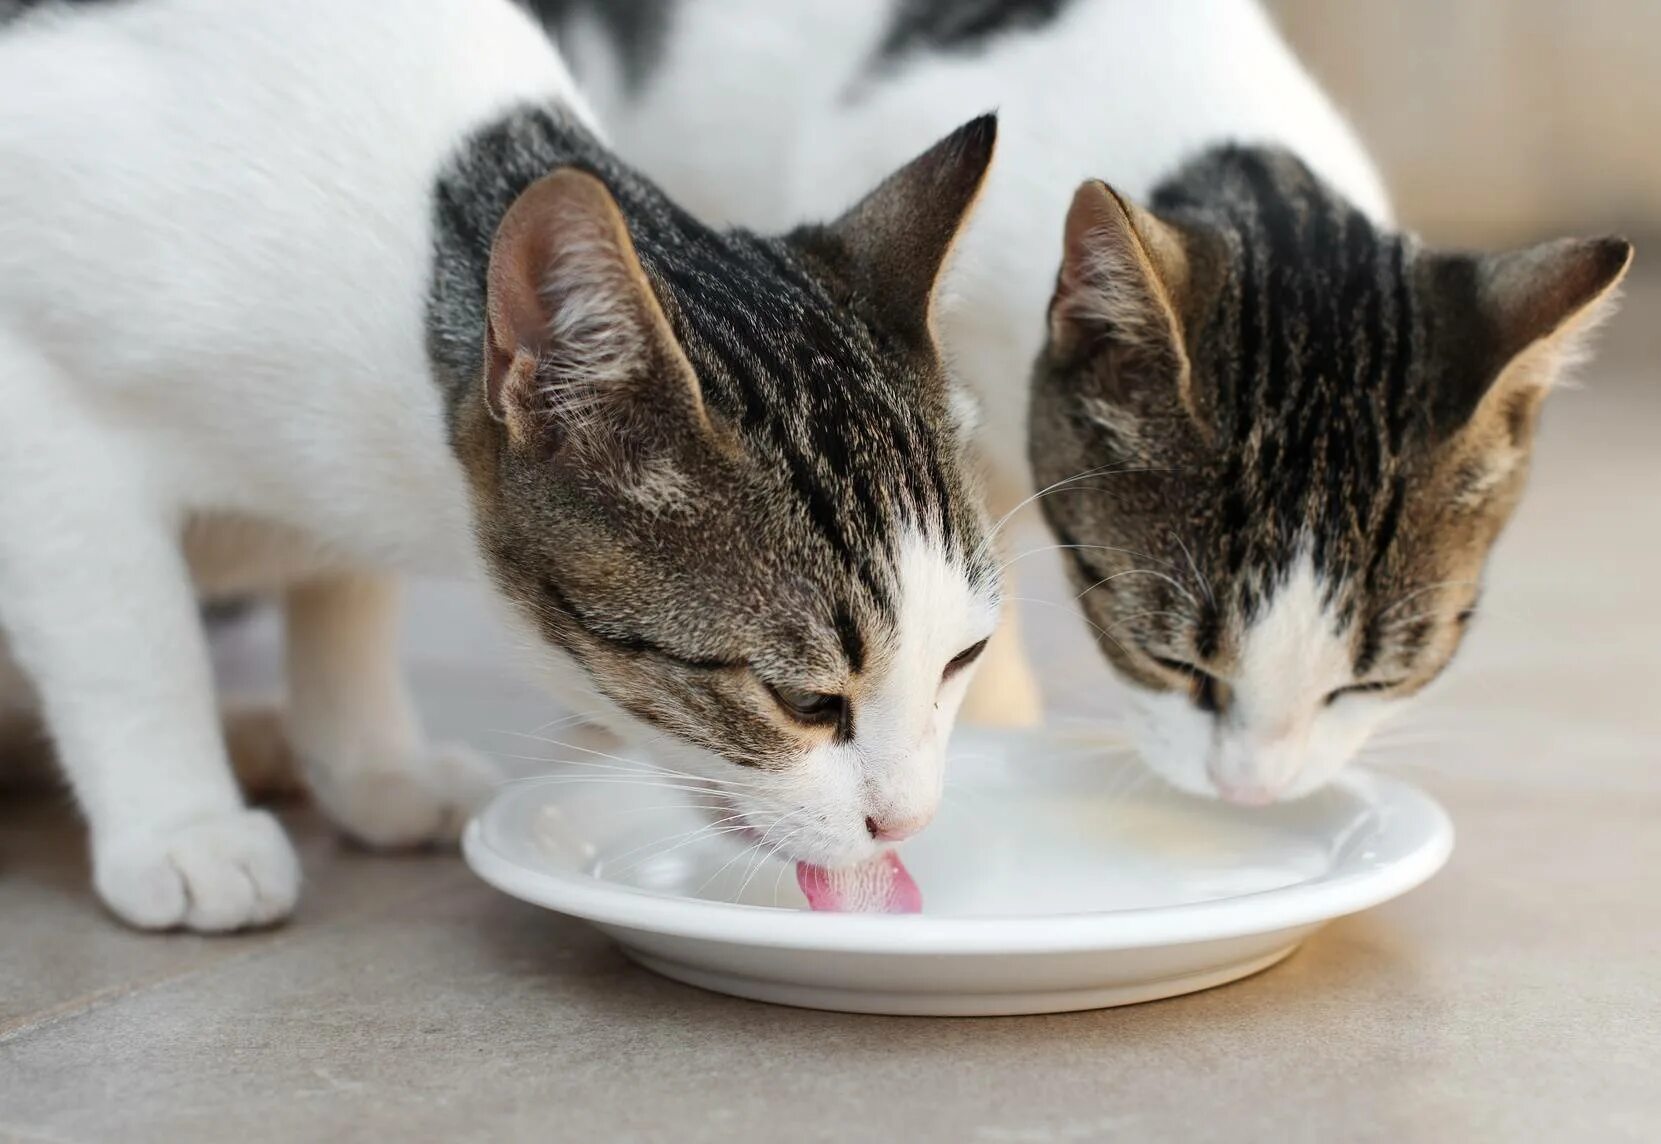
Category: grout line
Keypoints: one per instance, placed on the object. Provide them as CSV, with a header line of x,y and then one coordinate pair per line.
x,y
290,935
100,998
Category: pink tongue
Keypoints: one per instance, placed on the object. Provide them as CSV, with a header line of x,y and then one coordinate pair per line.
x,y
881,886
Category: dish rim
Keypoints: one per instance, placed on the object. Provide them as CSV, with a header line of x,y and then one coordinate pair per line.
x,y
1413,827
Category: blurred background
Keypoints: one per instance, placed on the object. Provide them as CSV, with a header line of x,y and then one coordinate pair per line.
x,y
1499,121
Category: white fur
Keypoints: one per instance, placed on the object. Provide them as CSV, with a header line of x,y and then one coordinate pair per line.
x,y
1279,737
214,256
764,112
893,769
903,711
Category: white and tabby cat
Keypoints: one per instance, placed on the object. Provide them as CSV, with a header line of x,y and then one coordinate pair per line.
x,y
1278,436
297,294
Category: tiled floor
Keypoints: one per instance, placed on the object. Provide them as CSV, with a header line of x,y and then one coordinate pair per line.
x,y
1517,996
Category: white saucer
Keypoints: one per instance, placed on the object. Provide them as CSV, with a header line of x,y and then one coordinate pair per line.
x,y
1059,875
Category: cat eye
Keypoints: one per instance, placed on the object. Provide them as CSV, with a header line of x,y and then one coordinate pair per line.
x,y
1362,689
1203,687
816,708
963,659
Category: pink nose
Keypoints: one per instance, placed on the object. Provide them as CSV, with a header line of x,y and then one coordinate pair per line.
x,y
895,829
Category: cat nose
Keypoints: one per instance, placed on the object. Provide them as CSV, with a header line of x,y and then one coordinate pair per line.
x,y
895,829
1250,789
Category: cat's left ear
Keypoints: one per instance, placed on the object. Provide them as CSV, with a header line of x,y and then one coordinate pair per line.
x,y
1125,278
1504,327
576,341
895,241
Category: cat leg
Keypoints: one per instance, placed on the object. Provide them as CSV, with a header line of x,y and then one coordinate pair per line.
x,y
25,763
1003,692
99,612
256,738
353,726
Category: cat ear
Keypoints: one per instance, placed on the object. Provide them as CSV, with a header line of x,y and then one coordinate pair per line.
x,y
1506,326
1124,274
575,332
897,238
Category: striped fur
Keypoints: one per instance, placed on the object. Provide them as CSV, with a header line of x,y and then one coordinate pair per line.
x,y
954,26
826,457
1303,433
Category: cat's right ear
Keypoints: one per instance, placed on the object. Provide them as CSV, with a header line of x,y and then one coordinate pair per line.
x,y
575,333
1505,326
896,240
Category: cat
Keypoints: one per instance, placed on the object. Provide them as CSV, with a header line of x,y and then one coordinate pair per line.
x,y
1274,436
297,297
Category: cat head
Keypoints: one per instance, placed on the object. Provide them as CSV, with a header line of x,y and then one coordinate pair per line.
x,y
726,478
1280,443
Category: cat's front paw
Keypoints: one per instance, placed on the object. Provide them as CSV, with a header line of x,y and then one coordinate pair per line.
x,y
414,802
224,872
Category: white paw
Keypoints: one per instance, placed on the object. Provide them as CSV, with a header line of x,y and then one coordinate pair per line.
x,y
425,799
224,872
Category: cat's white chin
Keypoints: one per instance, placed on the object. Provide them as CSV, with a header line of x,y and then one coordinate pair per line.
x,y
820,810
1202,754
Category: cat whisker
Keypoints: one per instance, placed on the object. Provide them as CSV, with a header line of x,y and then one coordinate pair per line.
x,y
667,846
642,767
742,853
778,879
1002,521
1088,622
562,721
1205,585
1143,572
1079,548
762,861
685,838
598,780
637,762
663,806
580,747
1427,588
1123,620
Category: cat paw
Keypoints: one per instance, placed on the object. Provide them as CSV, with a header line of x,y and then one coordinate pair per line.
x,y
413,803
225,872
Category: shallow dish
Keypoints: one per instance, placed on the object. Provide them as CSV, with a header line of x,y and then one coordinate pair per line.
x,y
1059,875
